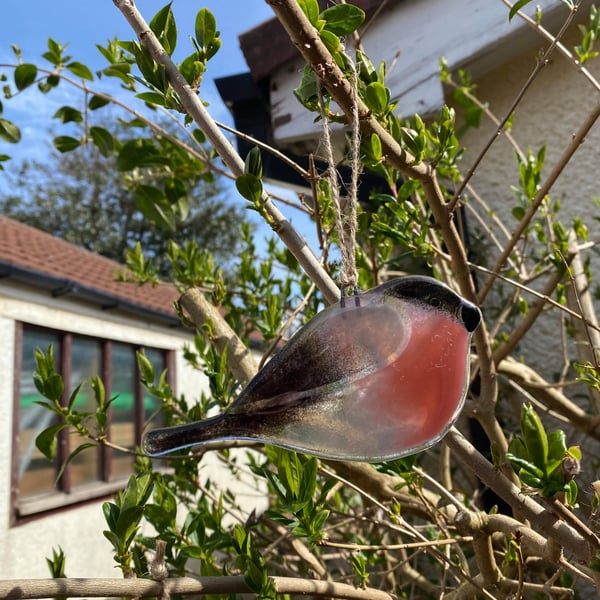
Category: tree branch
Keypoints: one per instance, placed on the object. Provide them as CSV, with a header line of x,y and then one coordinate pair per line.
x,y
210,323
21,589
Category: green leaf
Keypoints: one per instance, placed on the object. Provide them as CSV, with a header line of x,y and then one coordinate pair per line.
x,y
250,187
524,465
206,28
80,70
375,146
517,447
153,204
97,102
311,10
152,98
146,368
175,190
571,493
163,25
516,7
9,132
530,479
253,162
140,153
73,397
47,441
51,82
199,136
65,143
103,140
534,436
99,391
343,19
25,75
331,40
306,92
377,97
68,114
111,515
71,456
557,445
366,68
57,563
54,54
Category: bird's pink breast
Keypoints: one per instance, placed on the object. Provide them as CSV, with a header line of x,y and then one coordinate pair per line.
x,y
415,398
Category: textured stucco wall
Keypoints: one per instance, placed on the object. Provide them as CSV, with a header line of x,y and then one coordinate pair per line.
x,y
552,110
78,531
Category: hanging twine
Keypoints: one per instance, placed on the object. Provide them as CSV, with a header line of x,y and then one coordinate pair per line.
x,y
346,215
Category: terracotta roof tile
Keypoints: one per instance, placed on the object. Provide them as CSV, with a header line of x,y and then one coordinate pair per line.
x,y
29,250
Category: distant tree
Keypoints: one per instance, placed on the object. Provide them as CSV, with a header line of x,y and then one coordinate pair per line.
x,y
87,199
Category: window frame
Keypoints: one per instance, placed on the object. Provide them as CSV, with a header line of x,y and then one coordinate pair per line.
x,y
65,494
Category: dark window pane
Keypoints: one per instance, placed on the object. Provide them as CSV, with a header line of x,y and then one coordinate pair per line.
x,y
152,403
36,473
122,430
85,363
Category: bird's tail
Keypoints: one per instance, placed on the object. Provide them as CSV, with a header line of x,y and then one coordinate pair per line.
x,y
168,439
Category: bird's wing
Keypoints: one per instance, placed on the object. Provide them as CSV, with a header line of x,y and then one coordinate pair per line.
x,y
337,346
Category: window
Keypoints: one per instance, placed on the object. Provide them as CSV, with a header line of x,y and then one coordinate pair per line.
x,y
95,472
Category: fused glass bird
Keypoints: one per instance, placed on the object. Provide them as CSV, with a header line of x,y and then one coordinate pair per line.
x,y
379,376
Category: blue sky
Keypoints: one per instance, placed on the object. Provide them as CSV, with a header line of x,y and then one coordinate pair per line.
x,y
82,24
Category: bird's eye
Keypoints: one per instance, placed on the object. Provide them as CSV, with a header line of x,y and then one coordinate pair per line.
x,y
435,302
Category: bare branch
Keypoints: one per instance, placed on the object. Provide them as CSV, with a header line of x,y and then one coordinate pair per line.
x,y
22,589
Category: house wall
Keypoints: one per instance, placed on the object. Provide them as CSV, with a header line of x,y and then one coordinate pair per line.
x,y
78,530
552,110
411,37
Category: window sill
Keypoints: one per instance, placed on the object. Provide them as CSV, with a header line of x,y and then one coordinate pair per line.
x,y
28,507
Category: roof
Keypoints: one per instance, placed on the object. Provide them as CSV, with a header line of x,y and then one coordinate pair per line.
x,y
49,263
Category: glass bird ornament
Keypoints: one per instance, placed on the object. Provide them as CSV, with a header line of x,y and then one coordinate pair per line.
x,y
379,376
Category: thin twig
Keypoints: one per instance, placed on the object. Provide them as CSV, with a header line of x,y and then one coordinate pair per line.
x,y
407,546
559,45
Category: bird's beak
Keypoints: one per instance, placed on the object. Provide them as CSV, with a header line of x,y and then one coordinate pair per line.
x,y
470,316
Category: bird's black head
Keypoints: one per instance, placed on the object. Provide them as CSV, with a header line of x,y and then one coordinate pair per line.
x,y
436,295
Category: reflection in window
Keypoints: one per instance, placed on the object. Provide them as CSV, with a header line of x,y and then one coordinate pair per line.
x,y
35,473
123,388
85,363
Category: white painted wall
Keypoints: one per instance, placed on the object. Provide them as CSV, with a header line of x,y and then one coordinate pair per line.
x,y
24,548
